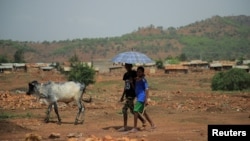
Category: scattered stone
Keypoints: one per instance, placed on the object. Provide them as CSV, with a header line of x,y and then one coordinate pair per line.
x,y
32,137
74,135
72,139
89,139
123,139
54,135
107,138
133,140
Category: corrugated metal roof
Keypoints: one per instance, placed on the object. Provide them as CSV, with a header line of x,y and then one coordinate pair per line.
x,y
47,68
6,67
19,64
245,62
241,67
7,64
175,67
215,65
198,62
147,64
66,68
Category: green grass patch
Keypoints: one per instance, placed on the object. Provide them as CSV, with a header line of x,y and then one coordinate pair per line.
x,y
7,115
157,98
106,85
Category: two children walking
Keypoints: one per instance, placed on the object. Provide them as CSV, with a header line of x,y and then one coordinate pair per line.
x,y
136,86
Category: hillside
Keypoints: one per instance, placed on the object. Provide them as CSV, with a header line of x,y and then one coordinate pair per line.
x,y
216,38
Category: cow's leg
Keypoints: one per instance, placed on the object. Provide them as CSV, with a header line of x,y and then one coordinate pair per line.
x,y
48,113
56,111
80,114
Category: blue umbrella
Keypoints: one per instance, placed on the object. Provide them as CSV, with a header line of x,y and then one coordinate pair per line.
x,y
132,57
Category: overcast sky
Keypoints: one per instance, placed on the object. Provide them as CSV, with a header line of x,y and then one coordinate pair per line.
x,y
40,20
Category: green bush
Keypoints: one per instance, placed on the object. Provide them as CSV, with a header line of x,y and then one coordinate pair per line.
x,y
233,79
82,73
19,56
159,64
4,59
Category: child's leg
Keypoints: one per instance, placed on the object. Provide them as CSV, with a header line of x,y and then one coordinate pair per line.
x,y
135,119
143,121
139,115
149,119
125,115
138,108
135,122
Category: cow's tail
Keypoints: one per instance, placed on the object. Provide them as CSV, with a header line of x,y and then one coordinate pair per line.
x,y
83,88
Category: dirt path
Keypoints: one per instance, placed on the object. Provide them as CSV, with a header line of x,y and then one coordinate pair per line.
x,y
181,108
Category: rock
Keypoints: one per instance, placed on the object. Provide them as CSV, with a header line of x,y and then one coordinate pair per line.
x,y
32,137
123,139
74,135
133,140
178,92
107,138
89,139
54,135
72,139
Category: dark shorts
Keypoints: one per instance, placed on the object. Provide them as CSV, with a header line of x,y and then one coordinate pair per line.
x,y
139,107
129,104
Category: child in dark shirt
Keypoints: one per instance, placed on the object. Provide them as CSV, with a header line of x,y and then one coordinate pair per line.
x,y
129,94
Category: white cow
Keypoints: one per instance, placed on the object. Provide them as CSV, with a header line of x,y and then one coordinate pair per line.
x,y
54,92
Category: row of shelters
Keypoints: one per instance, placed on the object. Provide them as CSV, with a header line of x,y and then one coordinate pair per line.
x,y
199,65
26,67
185,67
34,67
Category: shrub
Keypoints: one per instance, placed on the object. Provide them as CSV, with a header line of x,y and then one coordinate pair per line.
x,y
233,79
82,73
4,59
159,64
19,56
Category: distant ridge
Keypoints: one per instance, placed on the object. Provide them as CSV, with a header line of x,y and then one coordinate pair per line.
x,y
216,38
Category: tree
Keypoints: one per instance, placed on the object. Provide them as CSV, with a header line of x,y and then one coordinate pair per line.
x,y
233,79
74,59
3,59
240,61
19,56
183,57
159,64
82,73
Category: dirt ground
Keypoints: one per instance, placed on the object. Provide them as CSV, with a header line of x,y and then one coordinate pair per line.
x,y
182,106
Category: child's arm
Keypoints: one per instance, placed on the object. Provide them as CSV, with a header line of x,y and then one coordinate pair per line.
x,y
122,98
146,91
131,81
147,96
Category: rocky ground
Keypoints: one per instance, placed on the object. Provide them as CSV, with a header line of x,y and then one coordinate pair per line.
x,y
182,105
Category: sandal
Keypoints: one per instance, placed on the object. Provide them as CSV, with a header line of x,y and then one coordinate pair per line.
x,y
144,124
153,127
133,130
122,129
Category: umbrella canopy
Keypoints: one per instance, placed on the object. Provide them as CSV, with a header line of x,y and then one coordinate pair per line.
x,y
132,57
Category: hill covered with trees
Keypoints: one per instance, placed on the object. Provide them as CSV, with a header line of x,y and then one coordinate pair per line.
x,y
216,38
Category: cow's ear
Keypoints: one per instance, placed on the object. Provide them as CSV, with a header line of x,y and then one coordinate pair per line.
x,y
32,84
